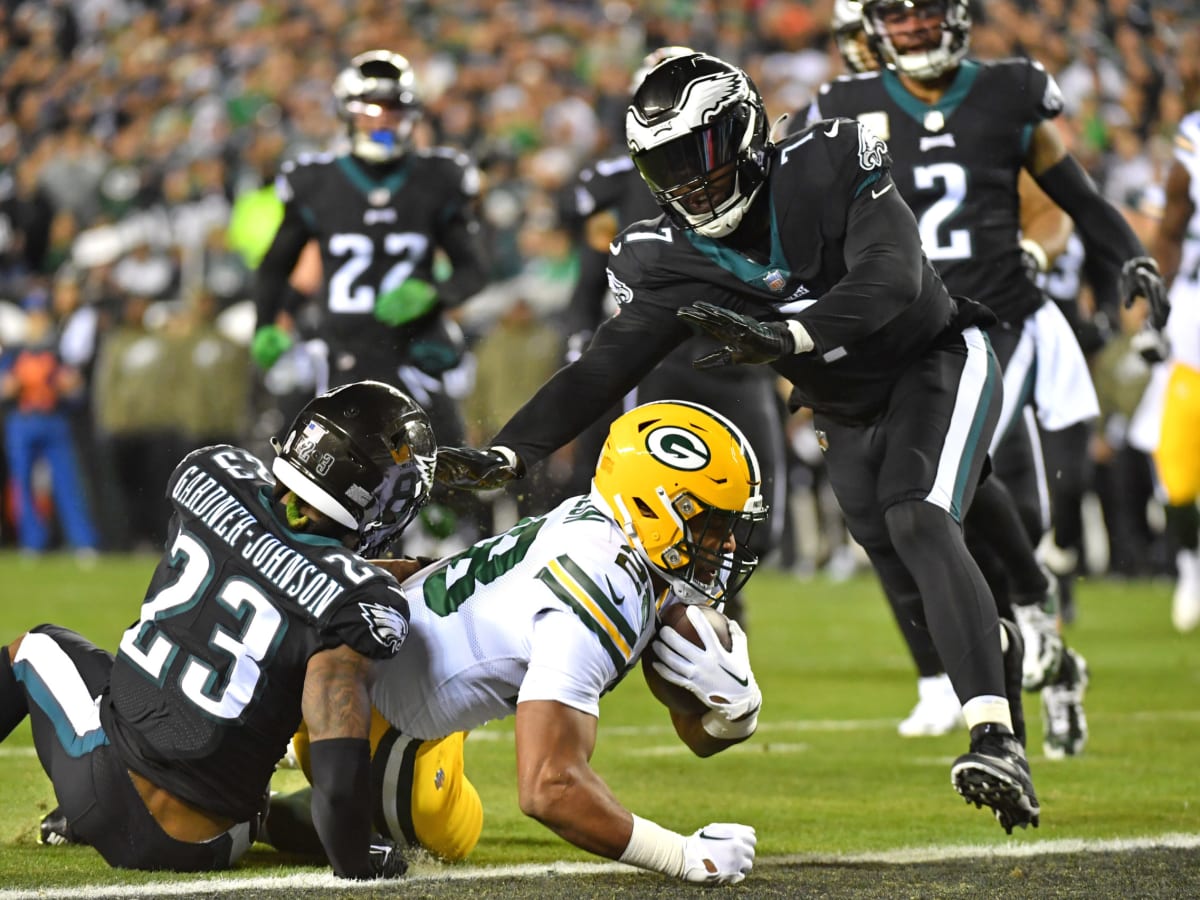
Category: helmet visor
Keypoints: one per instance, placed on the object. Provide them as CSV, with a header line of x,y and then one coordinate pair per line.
x,y
694,156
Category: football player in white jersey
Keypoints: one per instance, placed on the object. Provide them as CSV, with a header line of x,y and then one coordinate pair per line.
x,y
1176,384
544,618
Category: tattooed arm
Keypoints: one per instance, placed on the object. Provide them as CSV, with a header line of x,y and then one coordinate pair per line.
x,y
337,709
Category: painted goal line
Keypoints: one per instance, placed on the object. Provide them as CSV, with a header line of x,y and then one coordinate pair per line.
x,y
433,872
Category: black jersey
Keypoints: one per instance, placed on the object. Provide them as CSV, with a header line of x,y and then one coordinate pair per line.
x,y
956,164
377,225
830,200
612,184
615,185
206,687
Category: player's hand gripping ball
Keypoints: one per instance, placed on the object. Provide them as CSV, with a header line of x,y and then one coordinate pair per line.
x,y
674,697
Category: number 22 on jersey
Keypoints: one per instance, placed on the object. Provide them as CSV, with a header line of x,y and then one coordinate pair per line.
x,y
349,291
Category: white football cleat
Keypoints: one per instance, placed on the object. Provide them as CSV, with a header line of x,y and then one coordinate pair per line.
x,y
937,711
1185,606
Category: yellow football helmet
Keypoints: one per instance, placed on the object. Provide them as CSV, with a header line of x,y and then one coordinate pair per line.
x,y
681,481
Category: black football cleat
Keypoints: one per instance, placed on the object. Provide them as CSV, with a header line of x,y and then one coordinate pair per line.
x,y
55,830
995,774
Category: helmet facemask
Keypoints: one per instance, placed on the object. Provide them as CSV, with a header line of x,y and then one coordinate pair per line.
x,y
697,133
377,97
684,487
949,35
364,459
850,35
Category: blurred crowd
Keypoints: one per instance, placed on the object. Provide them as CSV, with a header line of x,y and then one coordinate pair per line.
x,y
139,142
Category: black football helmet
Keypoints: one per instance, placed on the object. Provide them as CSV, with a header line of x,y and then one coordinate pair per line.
x,y
949,29
377,96
362,454
697,131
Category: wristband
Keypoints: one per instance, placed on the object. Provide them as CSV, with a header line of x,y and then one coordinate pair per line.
x,y
800,336
716,725
1038,252
510,457
655,848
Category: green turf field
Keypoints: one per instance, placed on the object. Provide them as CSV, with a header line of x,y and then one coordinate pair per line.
x,y
826,775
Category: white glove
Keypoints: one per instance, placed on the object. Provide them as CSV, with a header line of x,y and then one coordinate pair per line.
x,y
721,678
721,853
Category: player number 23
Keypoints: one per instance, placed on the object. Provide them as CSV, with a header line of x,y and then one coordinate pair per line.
x,y
254,637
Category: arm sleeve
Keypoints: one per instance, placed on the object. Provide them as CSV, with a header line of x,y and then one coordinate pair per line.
x,y
1103,227
341,804
463,245
271,280
626,347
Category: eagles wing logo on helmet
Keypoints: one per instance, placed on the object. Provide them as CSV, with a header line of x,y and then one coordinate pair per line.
x,y
387,625
872,151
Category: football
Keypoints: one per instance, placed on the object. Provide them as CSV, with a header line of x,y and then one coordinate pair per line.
x,y
675,698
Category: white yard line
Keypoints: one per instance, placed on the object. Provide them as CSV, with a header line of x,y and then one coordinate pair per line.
x,y
431,872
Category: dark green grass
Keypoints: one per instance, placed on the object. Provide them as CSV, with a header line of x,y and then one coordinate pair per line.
x,y
826,774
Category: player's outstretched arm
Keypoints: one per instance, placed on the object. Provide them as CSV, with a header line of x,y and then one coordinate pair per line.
x,y
1066,183
337,709
558,787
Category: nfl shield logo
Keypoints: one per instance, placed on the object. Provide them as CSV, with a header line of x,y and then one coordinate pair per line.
x,y
775,280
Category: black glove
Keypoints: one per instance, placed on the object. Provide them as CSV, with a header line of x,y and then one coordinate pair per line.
x,y
386,859
466,468
1151,345
746,340
1140,278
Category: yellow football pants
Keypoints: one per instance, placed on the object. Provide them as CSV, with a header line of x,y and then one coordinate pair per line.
x,y
1178,455
421,793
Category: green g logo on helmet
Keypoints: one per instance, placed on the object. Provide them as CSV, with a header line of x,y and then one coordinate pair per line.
x,y
678,448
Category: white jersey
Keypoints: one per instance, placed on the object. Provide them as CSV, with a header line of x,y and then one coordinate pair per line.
x,y
559,607
1183,326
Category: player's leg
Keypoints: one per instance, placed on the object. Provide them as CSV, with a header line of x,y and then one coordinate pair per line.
x,y
993,527
422,796
62,675
940,417
1177,461
1068,471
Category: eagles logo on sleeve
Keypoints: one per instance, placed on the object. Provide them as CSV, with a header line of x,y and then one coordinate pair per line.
x,y
387,625
620,290
871,148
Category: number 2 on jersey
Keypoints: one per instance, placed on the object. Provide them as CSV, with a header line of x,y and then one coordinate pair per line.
x,y
953,181
259,624
357,252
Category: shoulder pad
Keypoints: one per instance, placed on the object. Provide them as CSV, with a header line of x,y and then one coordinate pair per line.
x,y
455,166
